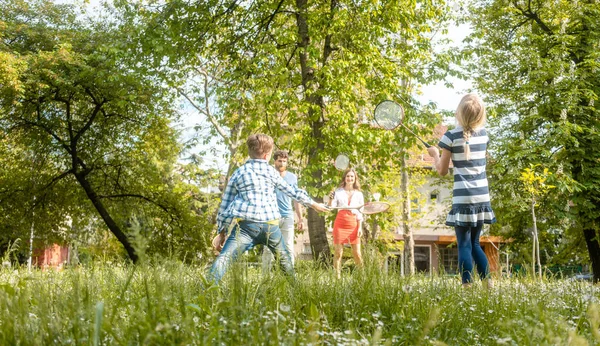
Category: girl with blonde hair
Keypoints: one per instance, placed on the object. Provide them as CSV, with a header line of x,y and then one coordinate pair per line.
x,y
466,146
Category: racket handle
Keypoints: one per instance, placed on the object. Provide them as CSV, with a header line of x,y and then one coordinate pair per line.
x,y
425,143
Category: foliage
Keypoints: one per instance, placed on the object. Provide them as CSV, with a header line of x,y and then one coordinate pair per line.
x,y
387,184
535,182
87,134
537,62
308,74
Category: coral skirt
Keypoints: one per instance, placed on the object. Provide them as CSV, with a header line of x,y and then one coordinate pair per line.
x,y
345,228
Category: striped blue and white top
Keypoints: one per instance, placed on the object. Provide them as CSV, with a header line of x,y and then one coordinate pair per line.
x,y
470,198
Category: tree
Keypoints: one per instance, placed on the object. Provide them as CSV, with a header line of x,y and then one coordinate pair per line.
x,y
537,62
98,124
307,73
535,187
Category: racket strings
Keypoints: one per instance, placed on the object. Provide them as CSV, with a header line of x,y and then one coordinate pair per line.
x,y
389,115
342,162
375,207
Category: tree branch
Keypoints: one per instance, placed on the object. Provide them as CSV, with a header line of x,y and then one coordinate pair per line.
x,y
92,117
57,178
206,111
270,19
48,131
164,208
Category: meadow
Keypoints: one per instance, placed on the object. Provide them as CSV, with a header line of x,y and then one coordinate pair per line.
x,y
170,303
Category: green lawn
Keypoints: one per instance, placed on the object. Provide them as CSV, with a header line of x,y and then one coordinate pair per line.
x,y
169,303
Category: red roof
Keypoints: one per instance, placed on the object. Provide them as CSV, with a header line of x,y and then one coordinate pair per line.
x,y
419,156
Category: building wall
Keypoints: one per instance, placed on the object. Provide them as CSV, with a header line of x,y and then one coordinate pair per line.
x,y
53,256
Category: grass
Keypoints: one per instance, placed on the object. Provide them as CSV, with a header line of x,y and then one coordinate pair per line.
x,y
170,303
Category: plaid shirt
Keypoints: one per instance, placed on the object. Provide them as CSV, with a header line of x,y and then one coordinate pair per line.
x,y
250,194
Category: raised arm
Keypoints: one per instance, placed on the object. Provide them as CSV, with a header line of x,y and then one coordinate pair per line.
x,y
441,164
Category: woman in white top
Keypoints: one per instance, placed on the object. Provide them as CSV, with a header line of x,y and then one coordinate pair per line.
x,y
347,228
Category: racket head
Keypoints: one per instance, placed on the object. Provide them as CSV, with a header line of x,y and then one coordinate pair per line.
x,y
342,162
389,114
375,207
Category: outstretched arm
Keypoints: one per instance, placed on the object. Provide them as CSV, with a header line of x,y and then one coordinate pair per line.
x,y
299,195
299,211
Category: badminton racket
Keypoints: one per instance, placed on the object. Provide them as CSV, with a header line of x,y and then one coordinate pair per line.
x,y
368,208
389,115
342,162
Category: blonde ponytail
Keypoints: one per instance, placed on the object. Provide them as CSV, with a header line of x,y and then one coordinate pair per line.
x,y
470,114
466,136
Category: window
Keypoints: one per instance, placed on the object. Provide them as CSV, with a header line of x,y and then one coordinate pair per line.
x,y
395,263
422,258
415,207
449,259
433,196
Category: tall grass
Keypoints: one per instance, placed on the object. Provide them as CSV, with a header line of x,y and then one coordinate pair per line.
x,y
170,303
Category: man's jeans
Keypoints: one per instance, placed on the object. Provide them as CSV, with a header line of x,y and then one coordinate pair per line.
x,y
245,236
286,225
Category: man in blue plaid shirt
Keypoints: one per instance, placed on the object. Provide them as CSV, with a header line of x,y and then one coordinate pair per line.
x,y
249,209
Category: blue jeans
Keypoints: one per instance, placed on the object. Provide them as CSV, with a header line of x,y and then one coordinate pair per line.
x,y
469,250
244,236
286,225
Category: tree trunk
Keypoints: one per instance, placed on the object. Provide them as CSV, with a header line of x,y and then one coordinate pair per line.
x,y
318,237
537,253
409,242
533,271
108,220
316,222
375,229
536,244
591,239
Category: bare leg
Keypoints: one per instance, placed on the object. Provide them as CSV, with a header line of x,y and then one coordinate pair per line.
x,y
356,253
337,259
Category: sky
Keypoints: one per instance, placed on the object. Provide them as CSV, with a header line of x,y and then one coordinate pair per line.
x,y
447,98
